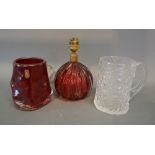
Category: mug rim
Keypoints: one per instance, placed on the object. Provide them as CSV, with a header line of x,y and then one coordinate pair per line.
x,y
121,64
42,61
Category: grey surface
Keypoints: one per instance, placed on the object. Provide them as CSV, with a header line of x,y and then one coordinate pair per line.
x,y
52,45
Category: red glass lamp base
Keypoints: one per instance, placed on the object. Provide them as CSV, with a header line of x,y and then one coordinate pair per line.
x,y
73,81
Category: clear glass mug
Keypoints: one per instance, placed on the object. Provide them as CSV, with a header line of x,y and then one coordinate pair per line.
x,y
119,80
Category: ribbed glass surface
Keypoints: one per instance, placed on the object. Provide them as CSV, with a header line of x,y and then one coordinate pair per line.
x,y
73,81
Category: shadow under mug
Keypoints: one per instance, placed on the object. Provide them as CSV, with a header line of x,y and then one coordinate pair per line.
x,y
30,83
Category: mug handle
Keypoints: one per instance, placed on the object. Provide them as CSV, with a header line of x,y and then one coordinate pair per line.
x,y
140,83
51,72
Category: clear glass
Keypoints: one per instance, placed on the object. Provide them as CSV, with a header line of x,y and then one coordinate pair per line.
x,y
119,80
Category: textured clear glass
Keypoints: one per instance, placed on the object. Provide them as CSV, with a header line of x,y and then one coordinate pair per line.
x,y
117,83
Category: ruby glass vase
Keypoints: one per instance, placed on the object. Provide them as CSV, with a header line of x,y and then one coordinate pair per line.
x,y
30,83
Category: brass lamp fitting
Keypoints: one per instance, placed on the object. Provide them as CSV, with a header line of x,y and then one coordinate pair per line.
x,y
74,47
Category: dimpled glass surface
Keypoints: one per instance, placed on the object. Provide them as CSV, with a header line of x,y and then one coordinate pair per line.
x,y
34,92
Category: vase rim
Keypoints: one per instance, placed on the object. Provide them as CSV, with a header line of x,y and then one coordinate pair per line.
x,y
28,61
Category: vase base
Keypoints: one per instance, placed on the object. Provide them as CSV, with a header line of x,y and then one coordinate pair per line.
x,y
28,107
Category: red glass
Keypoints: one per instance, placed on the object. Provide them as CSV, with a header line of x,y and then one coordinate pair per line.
x,y
73,81
30,83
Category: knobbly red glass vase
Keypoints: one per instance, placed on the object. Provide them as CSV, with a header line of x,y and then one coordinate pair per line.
x,y
30,83
73,81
